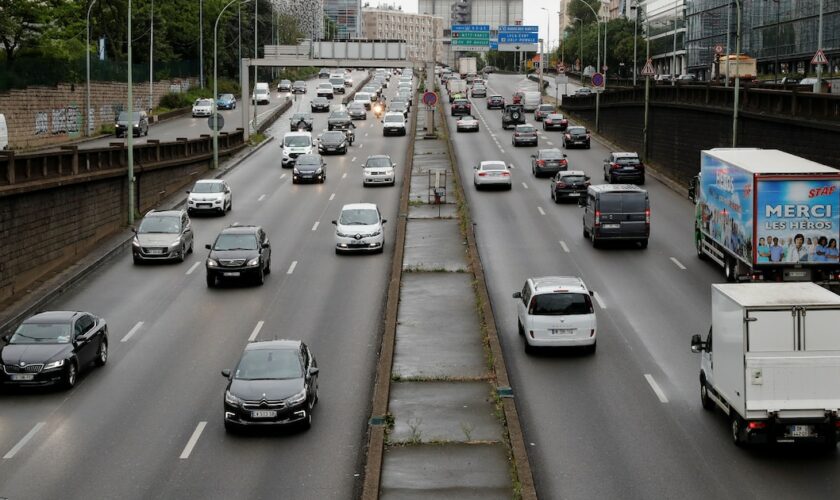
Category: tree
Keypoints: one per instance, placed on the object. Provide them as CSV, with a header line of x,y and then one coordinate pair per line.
x,y
21,23
330,29
577,9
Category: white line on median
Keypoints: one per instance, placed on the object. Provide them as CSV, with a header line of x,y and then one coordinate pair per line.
x,y
292,268
23,441
315,226
656,388
261,198
542,212
563,245
524,185
677,263
598,299
193,439
256,331
192,268
332,197
131,332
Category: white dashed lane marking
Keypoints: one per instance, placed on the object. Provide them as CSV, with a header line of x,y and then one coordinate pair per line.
x,y
193,440
564,246
542,212
677,263
256,331
332,197
292,268
193,268
658,390
133,330
29,435
261,198
524,185
315,226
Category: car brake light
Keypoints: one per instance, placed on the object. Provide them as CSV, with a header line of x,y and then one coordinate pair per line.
x,y
561,184
505,174
647,216
568,136
597,218
757,425
541,163
482,174
614,166
837,423
564,162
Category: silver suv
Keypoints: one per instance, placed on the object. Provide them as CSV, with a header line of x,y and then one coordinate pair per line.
x,y
162,235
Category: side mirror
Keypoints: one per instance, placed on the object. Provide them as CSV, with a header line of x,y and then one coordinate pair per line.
x,y
475,167
134,230
384,221
334,223
313,370
7,338
586,178
697,345
587,131
207,246
565,155
226,373
533,156
517,295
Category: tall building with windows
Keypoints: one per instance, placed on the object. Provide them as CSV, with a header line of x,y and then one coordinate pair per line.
x,y
665,22
347,16
309,13
423,34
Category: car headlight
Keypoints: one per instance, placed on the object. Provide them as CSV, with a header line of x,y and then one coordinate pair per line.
x,y
295,171
376,233
342,235
231,399
212,263
54,364
297,398
317,172
135,242
285,154
175,244
253,262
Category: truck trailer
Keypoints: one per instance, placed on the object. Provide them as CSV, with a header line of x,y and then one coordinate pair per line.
x,y
467,66
767,215
771,362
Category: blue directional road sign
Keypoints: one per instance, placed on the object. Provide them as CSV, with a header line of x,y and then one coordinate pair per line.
x,y
518,29
470,27
505,37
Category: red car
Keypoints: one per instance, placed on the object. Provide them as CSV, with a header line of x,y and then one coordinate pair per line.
x,y
460,107
495,102
555,121
517,97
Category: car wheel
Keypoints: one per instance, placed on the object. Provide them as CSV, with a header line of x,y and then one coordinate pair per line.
x,y
71,375
554,197
211,280
137,261
306,424
268,266
605,175
181,255
591,349
705,400
230,205
231,428
594,239
642,181
529,349
102,354
520,329
612,179
588,146
643,243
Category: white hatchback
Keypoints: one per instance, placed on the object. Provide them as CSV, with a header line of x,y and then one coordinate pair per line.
x,y
556,311
210,195
492,173
378,169
359,228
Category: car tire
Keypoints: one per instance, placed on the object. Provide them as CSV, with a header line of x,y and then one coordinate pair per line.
x,y
211,280
519,329
589,146
71,375
181,255
705,400
555,197
642,181
736,430
594,240
643,243
529,349
137,261
102,354
591,348
612,179
268,266
230,205
231,428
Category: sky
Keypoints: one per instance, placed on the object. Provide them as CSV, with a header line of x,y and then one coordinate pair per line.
x,y
534,15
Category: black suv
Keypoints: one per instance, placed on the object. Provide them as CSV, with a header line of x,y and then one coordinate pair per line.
x,y
239,252
513,115
332,142
624,167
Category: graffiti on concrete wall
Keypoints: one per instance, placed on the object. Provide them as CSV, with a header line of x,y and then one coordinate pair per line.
x,y
59,121
42,122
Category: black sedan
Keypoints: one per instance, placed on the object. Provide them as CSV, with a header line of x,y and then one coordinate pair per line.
x,y
274,383
339,120
548,161
357,111
460,107
239,253
576,137
495,102
53,347
301,122
309,168
320,104
332,143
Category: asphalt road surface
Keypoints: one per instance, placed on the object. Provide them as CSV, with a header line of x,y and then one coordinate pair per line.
x,y
149,424
625,422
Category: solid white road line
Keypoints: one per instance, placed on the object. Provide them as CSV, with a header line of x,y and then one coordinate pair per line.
x,y
677,263
23,441
283,176
524,185
256,331
134,330
193,268
193,439
261,198
600,302
292,268
315,226
563,245
656,388
332,197
542,212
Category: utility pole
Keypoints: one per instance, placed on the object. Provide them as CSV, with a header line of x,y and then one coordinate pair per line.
x,y
88,121
818,83
201,43
256,55
130,127
152,61
738,73
647,94
542,67
635,42
728,31
674,53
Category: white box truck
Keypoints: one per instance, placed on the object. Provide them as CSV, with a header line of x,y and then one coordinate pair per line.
x,y
771,362
767,215
467,66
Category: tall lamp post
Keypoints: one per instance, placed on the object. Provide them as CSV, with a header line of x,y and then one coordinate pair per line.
x,y
580,47
130,127
818,83
215,113
674,52
88,121
152,59
635,7
543,62
256,55
738,73
201,43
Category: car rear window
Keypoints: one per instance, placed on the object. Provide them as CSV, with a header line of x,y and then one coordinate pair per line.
x,y
560,304
627,160
526,129
623,202
572,179
551,154
493,166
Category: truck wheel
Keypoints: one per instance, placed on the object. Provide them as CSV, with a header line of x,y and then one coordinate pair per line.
x,y
737,429
698,244
707,402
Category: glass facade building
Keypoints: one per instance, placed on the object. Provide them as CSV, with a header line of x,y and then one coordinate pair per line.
x,y
665,22
347,16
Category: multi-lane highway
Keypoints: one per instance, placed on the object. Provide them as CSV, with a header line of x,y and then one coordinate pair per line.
x,y
627,421
149,424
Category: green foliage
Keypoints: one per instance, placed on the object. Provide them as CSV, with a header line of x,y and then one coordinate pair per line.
x,y
619,44
576,8
330,29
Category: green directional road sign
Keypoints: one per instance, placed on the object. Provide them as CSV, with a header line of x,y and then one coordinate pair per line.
x,y
470,42
475,35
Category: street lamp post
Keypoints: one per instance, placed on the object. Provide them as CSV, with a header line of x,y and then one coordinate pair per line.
x,y
543,62
130,127
737,74
818,83
214,109
647,93
152,59
580,48
728,32
201,43
635,7
674,53
87,85
256,55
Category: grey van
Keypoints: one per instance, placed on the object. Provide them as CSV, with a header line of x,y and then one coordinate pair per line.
x,y
616,212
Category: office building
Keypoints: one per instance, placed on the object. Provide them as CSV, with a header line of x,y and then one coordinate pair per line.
x,y
309,13
665,21
423,33
347,16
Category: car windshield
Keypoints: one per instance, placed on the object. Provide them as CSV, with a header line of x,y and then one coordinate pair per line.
x,y
560,304
47,333
393,119
300,83
165,224
124,116
308,160
234,241
333,136
285,82
577,130
551,154
226,97
623,202
526,129
337,81
204,102
208,187
493,166
269,364
297,141
362,96
355,105
339,115
377,162
358,217
300,116
546,107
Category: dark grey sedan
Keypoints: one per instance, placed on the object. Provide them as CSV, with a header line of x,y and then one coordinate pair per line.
x,y
309,168
524,134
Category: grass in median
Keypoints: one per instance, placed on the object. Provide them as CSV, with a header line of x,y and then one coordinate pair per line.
x,y
256,139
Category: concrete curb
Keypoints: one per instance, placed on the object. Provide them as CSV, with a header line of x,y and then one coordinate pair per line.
x,y
59,284
382,384
527,490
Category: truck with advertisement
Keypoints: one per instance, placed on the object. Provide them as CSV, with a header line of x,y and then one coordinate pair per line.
x,y
771,361
767,215
467,66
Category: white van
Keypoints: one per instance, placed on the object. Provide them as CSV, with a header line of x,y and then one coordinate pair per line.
x,y
261,94
531,100
4,133
294,145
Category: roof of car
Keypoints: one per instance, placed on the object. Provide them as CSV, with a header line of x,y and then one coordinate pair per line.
x,y
295,134
52,317
209,181
164,213
555,283
378,156
359,206
626,155
273,344
571,172
612,188
394,113
493,162
241,229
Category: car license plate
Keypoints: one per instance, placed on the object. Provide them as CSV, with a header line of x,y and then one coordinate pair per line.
x,y
561,331
800,431
574,194
232,274
264,414
23,376
155,251
612,226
